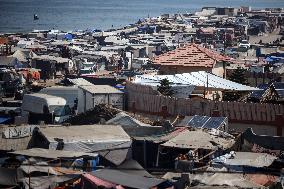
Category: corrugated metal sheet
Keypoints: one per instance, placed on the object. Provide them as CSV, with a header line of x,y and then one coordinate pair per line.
x,y
200,79
100,89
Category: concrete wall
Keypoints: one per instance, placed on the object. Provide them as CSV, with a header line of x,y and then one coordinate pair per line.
x,y
218,69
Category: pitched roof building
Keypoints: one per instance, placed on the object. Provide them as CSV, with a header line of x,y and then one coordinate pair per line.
x,y
191,58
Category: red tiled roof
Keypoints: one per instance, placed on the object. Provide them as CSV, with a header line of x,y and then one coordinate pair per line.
x,y
190,55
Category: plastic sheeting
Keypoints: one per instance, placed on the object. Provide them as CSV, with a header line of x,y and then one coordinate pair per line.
x,y
198,140
246,159
48,181
112,142
8,177
127,180
199,79
125,120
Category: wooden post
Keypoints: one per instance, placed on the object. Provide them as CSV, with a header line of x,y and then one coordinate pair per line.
x,y
279,123
133,107
215,113
144,154
158,156
164,112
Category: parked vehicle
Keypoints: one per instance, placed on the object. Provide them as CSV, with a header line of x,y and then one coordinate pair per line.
x,y
43,107
244,43
70,94
87,72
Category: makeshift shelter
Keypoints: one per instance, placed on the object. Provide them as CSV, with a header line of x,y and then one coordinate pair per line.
x,y
6,62
49,181
249,141
199,145
112,142
24,55
146,148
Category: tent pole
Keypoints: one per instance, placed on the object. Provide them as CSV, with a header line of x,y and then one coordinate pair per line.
x,y
144,154
158,156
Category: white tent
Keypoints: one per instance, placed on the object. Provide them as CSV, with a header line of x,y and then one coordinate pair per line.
x,y
197,79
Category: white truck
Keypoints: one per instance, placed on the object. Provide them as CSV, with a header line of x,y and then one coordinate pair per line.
x,y
47,108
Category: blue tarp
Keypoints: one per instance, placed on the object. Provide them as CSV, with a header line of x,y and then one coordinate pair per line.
x,y
268,59
68,36
4,119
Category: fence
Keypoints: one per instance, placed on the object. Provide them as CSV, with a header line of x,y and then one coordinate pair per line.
x,y
144,99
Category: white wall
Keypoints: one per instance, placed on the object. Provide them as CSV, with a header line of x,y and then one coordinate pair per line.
x,y
91,101
81,100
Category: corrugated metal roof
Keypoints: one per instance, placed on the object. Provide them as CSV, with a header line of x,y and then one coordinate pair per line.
x,y
100,89
200,79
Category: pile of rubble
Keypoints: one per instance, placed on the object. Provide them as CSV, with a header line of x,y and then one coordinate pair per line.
x,y
98,114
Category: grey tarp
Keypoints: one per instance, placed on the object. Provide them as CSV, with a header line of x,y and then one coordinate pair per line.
x,y
8,177
125,120
53,154
217,179
48,181
110,141
265,141
37,167
198,140
128,180
251,159
133,167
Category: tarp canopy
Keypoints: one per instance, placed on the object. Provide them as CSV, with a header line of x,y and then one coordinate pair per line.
x,y
198,79
134,168
8,177
219,180
128,180
198,140
68,36
53,154
41,167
